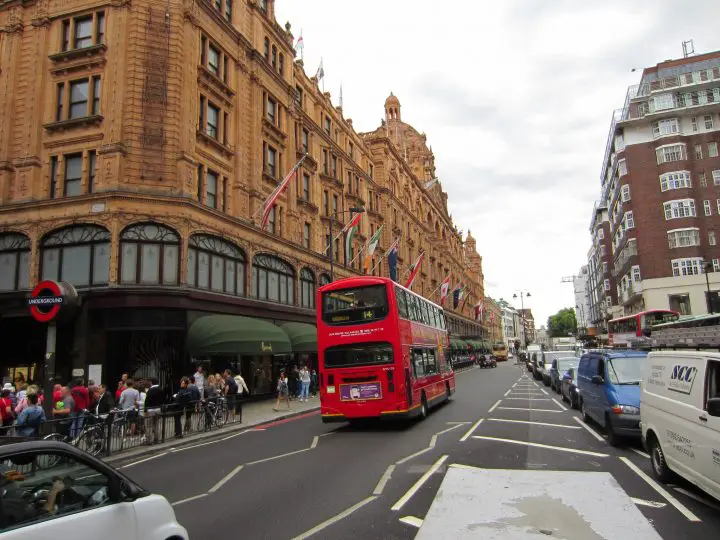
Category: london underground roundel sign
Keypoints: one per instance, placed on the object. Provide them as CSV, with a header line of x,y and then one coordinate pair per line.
x,y
47,299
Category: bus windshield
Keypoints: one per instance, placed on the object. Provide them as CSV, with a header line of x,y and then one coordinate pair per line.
x,y
625,370
355,305
358,354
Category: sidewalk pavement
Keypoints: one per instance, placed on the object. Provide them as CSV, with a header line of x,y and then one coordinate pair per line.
x,y
255,414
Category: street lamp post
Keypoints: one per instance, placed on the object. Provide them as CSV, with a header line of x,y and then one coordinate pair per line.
x,y
352,210
522,306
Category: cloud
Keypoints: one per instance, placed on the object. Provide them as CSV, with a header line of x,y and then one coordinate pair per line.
x,y
515,98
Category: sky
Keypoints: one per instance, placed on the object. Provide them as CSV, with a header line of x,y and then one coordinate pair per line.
x,y
516,99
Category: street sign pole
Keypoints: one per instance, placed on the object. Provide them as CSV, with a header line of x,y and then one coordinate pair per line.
x,y
49,369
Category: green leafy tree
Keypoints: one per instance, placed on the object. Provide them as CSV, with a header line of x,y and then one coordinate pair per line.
x,y
563,323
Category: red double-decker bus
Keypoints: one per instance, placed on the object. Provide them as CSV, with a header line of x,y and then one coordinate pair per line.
x,y
383,351
623,331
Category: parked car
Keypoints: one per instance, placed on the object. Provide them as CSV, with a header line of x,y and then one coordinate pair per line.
x,y
680,416
545,364
609,384
559,367
569,389
49,487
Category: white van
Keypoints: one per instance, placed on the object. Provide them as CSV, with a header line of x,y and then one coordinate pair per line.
x,y
680,416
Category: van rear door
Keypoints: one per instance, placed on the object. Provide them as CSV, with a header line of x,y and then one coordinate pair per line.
x,y
709,445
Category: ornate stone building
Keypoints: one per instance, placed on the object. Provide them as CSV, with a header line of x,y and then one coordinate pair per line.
x,y
138,142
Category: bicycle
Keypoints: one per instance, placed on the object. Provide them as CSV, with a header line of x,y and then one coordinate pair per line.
x,y
90,439
216,412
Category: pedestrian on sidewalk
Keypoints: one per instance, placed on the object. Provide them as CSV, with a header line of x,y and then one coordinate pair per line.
x,y
283,391
231,390
128,403
31,417
200,380
314,383
304,383
154,400
6,410
182,404
242,389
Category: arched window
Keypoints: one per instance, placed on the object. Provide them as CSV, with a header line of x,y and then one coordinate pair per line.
x,y
216,264
149,254
79,254
14,262
273,279
307,288
324,279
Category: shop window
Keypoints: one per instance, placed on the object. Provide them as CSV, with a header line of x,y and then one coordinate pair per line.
x,y
149,255
14,262
273,279
215,264
79,254
307,288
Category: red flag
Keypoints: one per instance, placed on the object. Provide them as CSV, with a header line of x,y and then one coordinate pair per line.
x,y
269,203
414,270
354,221
444,290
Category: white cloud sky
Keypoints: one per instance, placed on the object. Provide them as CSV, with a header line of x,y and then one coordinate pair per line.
x,y
515,98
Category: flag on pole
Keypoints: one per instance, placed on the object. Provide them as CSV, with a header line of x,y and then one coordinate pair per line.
x,y
270,202
320,71
431,183
456,295
391,255
300,44
414,269
479,311
463,296
444,290
349,231
371,246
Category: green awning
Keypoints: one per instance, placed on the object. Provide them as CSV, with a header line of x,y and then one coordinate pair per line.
x,y
232,334
456,344
303,337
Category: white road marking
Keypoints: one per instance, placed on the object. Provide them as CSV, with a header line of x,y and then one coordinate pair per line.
x,y
532,423
461,466
412,520
194,497
460,423
527,409
226,479
588,429
411,456
640,453
697,498
530,399
242,433
543,391
334,519
496,404
417,485
176,450
143,460
514,385
326,434
315,442
506,393
662,491
651,504
383,480
563,407
433,441
473,428
538,445
278,457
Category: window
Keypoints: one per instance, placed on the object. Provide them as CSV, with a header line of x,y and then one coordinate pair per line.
x,y
601,234
79,94
669,153
306,186
711,238
272,111
334,166
694,123
665,127
675,180
325,163
718,205
92,166
85,31
215,264
371,170
213,60
224,8
625,193
273,279
305,140
698,151
307,288
664,101
326,203
636,273
619,143
328,125
708,119
228,10
84,99
14,262
679,209
355,305
607,284
149,255
271,161
73,175
306,236
716,265
712,149
680,303
604,268
211,184
716,177
351,150
335,205
281,64
687,267
224,193
703,179
273,57
629,220
79,254
683,238
271,226
266,49
707,207
212,125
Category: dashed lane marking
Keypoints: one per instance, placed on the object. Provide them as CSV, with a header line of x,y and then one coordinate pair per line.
x,y
662,491
143,460
508,392
226,479
194,497
530,399
334,519
272,458
544,391
640,453
412,520
315,442
460,423
538,445
496,404
587,428
531,423
527,409
563,407
473,428
651,504
433,441
383,480
417,485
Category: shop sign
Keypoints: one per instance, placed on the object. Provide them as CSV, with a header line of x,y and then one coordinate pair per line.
x,y
48,298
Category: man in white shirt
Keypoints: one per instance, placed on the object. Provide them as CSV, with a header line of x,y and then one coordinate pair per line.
x,y
200,381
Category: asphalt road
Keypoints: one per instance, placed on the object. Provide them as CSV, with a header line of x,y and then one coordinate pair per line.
x,y
300,478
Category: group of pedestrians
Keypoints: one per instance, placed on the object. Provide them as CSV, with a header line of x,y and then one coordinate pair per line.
x,y
298,386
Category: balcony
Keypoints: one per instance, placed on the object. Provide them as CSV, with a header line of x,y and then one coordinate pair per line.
x,y
629,251
679,81
700,99
632,293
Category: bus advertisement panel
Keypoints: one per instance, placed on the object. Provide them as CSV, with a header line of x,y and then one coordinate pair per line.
x,y
383,351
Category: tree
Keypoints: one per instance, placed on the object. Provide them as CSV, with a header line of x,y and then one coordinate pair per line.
x,y
563,323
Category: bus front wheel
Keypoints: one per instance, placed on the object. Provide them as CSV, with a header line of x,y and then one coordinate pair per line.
x,y
423,407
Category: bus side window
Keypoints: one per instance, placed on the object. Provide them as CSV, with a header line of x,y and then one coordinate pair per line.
x,y
431,366
414,309
401,302
418,365
434,316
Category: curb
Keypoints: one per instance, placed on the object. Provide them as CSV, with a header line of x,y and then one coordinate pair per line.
x,y
143,450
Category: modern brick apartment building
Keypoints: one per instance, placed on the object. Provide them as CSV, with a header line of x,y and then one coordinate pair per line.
x,y
661,193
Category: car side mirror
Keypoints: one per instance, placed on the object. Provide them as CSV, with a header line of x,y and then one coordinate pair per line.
x,y
597,379
713,406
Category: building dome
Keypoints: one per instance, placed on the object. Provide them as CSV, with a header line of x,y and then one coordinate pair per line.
x,y
392,101
392,108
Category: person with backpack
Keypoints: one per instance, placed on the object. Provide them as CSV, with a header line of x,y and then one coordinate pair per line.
x,y
283,391
31,418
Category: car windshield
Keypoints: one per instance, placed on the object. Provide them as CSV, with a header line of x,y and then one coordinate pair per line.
x,y
625,370
565,364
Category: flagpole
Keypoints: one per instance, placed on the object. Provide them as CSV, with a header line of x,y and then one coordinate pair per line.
x,y
279,186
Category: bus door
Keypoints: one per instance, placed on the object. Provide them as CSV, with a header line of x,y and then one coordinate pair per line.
x,y
418,374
